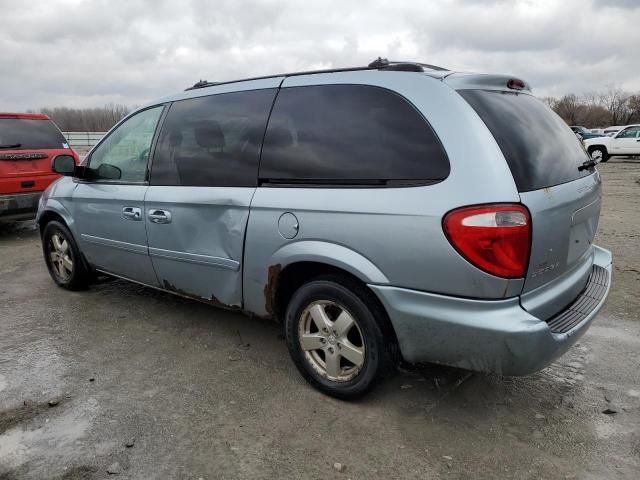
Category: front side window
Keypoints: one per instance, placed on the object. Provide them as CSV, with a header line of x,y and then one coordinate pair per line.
x,y
349,134
212,141
631,132
128,146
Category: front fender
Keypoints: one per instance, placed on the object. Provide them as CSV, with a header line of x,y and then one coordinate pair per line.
x,y
56,199
52,205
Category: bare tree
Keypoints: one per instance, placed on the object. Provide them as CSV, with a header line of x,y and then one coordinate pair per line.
x,y
98,119
634,107
616,101
571,109
612,106
595,116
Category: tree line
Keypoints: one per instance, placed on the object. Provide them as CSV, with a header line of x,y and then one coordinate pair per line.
x,y
602,109
98,119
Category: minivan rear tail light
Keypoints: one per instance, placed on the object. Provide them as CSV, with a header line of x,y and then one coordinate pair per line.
x,y
494,238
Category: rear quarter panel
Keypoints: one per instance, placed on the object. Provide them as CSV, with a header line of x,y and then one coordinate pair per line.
x,y
388,236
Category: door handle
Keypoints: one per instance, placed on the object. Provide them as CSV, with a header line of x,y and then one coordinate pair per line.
x,y
132,213
159,216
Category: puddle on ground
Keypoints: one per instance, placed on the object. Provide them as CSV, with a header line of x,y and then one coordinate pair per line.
x,y
48,439
29,371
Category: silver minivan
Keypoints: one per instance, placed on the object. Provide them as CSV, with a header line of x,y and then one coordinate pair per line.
x,y
395,212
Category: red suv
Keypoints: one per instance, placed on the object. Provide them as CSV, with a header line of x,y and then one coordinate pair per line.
x,y
28,144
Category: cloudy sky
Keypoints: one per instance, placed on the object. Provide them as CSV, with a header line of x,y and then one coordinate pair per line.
x,y
92,52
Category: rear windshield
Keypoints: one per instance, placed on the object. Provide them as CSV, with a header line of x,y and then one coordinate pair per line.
x,y
540,148
21,134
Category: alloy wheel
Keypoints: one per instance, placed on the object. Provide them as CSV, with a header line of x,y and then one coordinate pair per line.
x,y
332,341
60,256
596,155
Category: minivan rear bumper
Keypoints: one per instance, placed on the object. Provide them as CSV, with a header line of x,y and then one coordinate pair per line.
x,y
483,335
19,205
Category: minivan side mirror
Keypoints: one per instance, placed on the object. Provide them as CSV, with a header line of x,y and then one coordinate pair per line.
x,y
108,172
64,165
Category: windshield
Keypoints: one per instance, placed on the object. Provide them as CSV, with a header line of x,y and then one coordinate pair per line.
x,y
21,134
539,147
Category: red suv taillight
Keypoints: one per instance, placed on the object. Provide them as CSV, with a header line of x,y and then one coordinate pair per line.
x,y
494,238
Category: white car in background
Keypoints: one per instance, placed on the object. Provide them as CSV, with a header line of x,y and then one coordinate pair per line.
x,y
625,142
612,130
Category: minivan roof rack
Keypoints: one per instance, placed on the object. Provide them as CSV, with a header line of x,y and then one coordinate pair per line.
x,y
384,64
378,64
201,84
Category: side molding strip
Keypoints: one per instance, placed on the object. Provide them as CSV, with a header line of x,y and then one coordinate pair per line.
x,y
129,247
195,258
161,253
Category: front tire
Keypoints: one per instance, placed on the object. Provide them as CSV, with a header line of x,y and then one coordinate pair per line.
x,y
599,154
63,258
334,336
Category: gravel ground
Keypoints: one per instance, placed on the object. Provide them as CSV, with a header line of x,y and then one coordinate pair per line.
x,y
122,381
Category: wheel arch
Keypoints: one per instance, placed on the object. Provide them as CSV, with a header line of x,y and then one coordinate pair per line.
x,y
54,210
332,254
296,274
315,256
598,145
299,262
49,216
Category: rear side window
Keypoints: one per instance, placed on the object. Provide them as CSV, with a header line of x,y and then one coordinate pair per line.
x,y
25,134
212,141
539,147
349,134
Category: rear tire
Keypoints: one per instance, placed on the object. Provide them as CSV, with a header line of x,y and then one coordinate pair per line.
x,y
334,336
63,258
599,154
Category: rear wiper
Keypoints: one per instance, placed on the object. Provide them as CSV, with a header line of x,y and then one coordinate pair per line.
x,y
587,165
13,145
